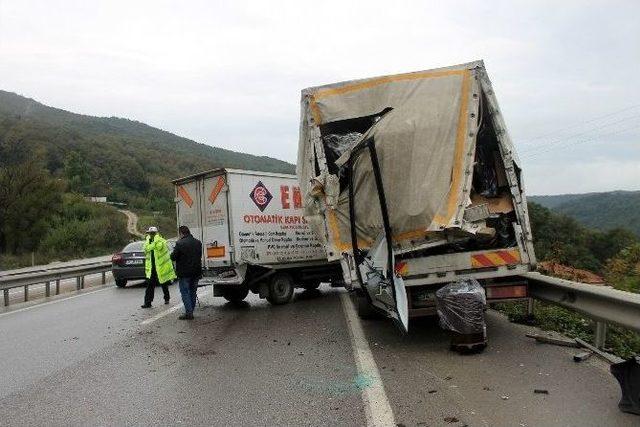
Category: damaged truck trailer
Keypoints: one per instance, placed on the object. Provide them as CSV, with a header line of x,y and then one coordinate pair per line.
x,y
253,232
411,182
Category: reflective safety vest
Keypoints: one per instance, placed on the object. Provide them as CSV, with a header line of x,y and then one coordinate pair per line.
x,y
162,258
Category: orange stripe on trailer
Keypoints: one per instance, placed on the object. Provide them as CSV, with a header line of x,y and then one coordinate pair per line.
x,y
511,257
490,259
185,196
216,190
481,261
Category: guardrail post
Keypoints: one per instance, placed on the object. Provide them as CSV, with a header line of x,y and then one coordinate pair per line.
x,y
601,334
530,307
78,283
57,286
6,297
104,277
47,289
26,293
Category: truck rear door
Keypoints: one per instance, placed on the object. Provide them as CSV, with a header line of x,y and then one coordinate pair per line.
x,y
383,286
215,219
188,210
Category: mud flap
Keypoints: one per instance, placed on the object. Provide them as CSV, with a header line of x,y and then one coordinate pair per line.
x,y
387,294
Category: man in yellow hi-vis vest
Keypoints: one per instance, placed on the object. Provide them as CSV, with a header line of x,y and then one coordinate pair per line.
x,y
157,266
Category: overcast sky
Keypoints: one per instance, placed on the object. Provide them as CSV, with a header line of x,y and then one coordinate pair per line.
x,y
229,74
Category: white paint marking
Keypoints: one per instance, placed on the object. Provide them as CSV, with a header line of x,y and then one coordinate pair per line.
x,y
167,312
56,301
161,315
376,405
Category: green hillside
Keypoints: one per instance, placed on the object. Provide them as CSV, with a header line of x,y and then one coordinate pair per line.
x,y
603,211
50,158
122,159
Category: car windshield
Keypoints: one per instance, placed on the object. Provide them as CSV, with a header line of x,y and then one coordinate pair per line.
x,y
133,247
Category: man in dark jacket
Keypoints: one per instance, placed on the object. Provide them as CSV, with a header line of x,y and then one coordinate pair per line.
x,y
187,254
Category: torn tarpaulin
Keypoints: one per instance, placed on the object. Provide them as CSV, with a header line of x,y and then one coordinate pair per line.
x,y
336,144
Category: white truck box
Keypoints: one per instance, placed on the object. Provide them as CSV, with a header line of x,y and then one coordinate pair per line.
x,y
411,182
251,226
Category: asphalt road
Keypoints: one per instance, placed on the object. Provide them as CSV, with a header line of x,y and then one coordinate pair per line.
x,y
96,358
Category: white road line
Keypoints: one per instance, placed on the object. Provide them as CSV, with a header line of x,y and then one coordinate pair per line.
x,y
376,405
167,312
56,301
161,315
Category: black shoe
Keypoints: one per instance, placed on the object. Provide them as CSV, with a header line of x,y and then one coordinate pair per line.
x,y
186,317
166,301
145,306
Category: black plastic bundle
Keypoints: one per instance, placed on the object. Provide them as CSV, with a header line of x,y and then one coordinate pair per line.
x,y
461,305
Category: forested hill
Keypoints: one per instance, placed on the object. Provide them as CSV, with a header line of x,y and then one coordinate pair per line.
x,y
604,211
122,159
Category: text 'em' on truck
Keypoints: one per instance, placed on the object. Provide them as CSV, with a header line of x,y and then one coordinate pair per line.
x,y
253,234
411,181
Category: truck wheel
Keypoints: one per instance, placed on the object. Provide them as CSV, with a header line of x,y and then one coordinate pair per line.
x,y
121,283
235,294
281,289
365,310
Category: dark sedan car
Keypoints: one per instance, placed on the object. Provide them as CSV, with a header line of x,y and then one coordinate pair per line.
x,y
128,264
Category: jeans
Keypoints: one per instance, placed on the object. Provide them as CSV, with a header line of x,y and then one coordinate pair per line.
x,y
188,287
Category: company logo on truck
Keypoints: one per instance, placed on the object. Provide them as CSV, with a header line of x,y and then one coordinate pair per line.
x,y
260,196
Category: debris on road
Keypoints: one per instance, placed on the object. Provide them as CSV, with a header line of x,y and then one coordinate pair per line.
x,y
504,397
606,356
451,419
460,307
628,375
567,342
540,391
580,357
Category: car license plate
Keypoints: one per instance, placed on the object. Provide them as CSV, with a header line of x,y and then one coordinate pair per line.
x,y
133,262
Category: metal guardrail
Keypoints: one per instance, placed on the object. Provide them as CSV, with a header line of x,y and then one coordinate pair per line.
x,y
52,275
603,304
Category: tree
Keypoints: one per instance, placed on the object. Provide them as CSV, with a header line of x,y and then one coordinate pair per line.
x,y
77,173
608,244
29,198
623,270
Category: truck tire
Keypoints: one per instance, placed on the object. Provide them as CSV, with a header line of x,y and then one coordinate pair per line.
x,y
235,294
281,289
365,310
121,283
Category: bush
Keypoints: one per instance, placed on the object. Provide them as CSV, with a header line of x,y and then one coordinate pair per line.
x,y
84,229
166,224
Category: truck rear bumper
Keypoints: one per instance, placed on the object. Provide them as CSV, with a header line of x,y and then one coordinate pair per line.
x,y
475,273
422,300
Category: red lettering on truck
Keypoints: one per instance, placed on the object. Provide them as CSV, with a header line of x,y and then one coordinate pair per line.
x,y
297,198
284,196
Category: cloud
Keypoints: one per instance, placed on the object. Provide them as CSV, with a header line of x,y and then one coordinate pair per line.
x,y
229,74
